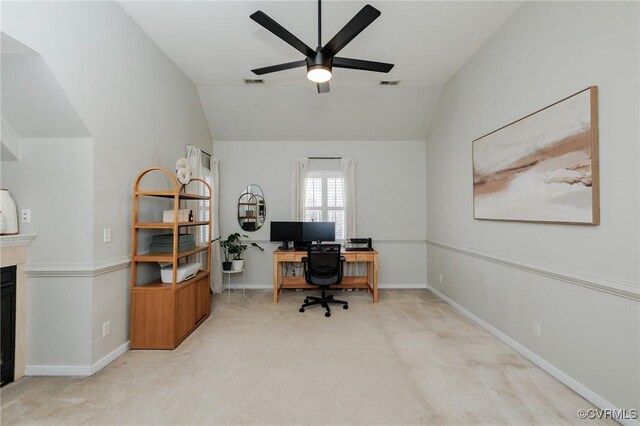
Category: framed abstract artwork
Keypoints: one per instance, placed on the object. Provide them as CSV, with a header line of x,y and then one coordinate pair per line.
x,y
542,167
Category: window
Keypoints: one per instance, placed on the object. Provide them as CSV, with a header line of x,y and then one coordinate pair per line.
x,y
203,208
324,201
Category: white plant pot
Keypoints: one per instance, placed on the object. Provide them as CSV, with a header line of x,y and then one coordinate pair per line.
x,y
9,222
237,265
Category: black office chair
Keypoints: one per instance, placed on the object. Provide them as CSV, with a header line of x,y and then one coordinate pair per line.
x,y
323,267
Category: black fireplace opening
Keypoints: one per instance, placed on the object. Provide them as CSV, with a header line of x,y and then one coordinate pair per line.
x,y
8,324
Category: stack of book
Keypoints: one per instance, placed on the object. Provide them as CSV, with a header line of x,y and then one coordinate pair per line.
x,y
164,243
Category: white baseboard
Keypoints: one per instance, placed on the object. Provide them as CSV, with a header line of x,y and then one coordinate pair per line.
x,y
57,370
570,382
75,370
107,359
251,286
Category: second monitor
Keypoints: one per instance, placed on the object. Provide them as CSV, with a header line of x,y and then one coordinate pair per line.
x,y
302,233
318,231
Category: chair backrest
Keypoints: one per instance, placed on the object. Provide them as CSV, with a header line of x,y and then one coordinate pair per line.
x,y
323,265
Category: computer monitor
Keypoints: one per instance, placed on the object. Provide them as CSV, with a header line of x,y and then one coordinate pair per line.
x,y
285,232
319,231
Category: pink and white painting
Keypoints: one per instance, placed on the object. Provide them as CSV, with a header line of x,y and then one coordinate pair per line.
x,y
543,167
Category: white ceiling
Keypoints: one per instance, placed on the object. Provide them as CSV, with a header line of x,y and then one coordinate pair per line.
x,y
216,44
299,113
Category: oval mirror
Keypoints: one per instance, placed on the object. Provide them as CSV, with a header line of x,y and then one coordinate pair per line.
x,y
252,209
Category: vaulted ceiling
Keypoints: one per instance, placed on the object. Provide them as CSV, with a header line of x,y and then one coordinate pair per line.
x,y
216,44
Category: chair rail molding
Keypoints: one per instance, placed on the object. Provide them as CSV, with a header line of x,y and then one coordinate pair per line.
x,y
402,240
618,287
77,269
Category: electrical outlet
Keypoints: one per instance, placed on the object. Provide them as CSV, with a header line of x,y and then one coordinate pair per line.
x,y
26,215
537,329
107,235
106,328
440,278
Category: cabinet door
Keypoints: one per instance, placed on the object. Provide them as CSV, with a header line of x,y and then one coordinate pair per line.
x,y
203,302
186,313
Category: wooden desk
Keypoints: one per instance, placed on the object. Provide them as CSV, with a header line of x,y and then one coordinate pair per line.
x,y
370,281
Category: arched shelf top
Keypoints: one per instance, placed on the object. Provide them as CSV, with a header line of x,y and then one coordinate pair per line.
x,y
178,188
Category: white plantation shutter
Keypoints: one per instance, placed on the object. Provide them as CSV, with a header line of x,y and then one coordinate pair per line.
x,y
313,192
324,199
334,192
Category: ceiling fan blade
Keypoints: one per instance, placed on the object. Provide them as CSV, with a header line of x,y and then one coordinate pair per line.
x,y
323,87
263,19
358,64
279,67
366,16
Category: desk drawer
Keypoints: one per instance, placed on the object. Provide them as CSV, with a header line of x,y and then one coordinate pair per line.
x,y
365,257
291,257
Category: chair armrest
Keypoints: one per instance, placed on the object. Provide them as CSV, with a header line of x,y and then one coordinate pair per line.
x,y
343,259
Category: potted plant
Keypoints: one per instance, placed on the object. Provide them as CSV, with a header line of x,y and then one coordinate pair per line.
x,y
226,265
235,247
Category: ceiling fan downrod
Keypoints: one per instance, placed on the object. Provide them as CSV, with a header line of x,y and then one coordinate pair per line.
x,y
319,25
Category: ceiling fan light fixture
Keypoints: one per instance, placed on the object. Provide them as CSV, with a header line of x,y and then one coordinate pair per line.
x,y
319,73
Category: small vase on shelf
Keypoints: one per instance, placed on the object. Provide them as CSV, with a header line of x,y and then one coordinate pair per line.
x,y
9,211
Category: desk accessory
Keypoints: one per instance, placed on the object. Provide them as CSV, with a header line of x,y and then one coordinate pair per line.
x,y
358,244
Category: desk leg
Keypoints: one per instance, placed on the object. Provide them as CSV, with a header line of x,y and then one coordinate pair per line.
x,y
375,280
277,277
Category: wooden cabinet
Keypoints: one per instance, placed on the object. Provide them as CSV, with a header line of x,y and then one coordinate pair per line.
x,y
164,314
203,304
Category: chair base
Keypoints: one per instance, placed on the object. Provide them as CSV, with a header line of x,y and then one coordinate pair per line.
x,y
324,300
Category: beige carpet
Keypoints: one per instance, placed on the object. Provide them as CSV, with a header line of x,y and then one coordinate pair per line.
x,y
411,359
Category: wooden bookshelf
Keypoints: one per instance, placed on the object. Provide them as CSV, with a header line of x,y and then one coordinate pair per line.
x,y
164,314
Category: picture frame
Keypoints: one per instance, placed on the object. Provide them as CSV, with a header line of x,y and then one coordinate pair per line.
x,y
543,167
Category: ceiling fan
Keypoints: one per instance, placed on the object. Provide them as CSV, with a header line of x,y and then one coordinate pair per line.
x,y
320,62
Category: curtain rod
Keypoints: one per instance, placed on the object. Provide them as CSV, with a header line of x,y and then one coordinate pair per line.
x,y
325,158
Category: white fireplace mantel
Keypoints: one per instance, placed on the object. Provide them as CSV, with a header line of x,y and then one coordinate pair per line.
x,y
13,251
16,240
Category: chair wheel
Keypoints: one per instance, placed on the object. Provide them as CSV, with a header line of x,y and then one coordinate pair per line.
x,y
328,314
301,309
345,307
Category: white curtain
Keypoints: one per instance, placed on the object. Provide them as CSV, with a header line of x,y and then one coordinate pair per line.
x,y
194,156
300,169
216,256
348,166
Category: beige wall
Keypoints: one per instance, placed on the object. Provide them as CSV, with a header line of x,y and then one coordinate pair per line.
x,y
391,203
546,51
141,111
